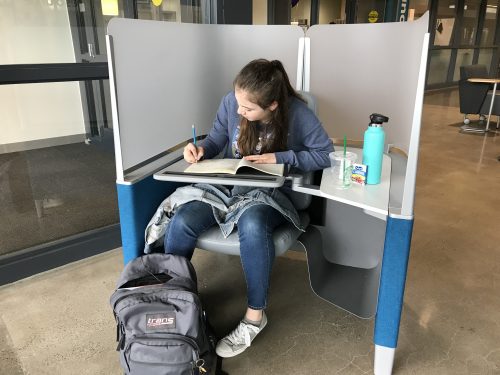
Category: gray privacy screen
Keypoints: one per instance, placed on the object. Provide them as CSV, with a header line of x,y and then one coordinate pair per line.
x,y
171,75
364,68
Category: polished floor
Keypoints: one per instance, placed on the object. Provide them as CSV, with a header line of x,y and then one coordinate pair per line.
x,y
60,322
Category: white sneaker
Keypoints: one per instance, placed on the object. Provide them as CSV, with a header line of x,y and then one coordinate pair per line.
x,y
239,339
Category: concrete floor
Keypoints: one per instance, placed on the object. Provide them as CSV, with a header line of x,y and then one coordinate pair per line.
x,y
60,322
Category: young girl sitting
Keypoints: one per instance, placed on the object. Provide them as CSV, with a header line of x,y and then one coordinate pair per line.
x,y
265,121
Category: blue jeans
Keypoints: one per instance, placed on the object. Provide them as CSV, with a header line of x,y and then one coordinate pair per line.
x,y
255,231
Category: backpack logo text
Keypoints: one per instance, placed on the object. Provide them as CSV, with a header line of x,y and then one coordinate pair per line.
x,y
160,321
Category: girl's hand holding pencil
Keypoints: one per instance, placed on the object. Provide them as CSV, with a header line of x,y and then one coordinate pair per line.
x,y
193,153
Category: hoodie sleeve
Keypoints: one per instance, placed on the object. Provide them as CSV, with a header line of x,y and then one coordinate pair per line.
x,y
309,144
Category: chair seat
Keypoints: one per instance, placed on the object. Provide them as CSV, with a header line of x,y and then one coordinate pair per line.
x,y
284,237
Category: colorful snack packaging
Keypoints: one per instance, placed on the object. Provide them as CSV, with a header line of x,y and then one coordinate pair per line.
x,y
359,173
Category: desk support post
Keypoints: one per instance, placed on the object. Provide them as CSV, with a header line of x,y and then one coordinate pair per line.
x,y
491,106
391,291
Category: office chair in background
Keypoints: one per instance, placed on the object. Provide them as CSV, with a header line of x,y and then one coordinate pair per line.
x,y
475,98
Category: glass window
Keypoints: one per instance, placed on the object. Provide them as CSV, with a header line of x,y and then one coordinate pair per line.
x,y
438,68
166,11
370,11
490,23
98,14
417,9
54,31
53,184
464,57
33,32
445,22
469,23
463,33
259,12
330,12
301,13
174,11
485,57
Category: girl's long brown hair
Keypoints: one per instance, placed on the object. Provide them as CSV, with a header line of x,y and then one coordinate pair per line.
x,y
265,82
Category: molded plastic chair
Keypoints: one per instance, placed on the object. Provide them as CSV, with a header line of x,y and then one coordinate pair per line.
x,y
284,236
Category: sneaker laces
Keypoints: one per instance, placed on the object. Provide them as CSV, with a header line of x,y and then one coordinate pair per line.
x,y
241,334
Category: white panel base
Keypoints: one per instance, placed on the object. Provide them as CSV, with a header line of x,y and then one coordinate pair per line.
x,y
384,359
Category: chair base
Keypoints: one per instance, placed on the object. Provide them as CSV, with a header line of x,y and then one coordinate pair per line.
x,y
467,128
472,129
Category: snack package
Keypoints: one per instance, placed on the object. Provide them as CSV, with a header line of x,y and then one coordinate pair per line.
x,y
359,173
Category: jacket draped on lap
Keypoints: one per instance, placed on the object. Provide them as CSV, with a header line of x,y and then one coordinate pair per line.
x,y
227,205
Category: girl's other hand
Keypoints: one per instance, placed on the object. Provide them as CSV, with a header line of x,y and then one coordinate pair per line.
x,y
262,159
193,154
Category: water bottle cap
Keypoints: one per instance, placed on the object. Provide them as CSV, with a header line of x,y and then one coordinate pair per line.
x,y
377,119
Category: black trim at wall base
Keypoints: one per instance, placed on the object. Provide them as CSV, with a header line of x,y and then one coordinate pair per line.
x,y
28,262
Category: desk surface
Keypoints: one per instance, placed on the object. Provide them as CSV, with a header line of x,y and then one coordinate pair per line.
x,y
175,172
484,80
373,198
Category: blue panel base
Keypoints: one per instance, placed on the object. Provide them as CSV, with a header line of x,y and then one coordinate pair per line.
x,y
137,203
392,281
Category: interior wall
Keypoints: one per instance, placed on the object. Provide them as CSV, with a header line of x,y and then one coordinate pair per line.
x,y
33,33
302,11
174,7
259,12
329,11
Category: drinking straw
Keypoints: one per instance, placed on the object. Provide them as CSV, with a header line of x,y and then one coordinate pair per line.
x,y
345,145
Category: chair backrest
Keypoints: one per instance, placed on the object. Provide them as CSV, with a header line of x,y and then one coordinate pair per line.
x,y
472,95
310,99
302,201
473,71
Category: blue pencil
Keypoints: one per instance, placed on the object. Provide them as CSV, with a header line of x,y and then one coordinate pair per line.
x,y
194,134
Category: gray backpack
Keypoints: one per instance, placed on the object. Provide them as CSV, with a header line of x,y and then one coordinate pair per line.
x,y
161,326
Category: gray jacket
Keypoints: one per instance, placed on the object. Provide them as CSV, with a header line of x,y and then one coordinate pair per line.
x,y
227,204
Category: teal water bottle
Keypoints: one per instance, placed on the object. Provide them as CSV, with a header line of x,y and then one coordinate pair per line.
x,y
373,148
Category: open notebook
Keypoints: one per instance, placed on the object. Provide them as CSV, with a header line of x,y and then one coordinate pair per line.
x,y
234,166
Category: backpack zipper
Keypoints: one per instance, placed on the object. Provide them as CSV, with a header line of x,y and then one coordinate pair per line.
x,y
166,336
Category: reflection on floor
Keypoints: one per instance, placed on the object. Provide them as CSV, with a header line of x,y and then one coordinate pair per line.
x,y
60,322
54,192
444,98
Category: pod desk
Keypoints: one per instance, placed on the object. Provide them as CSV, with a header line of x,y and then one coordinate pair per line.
x,y
166,76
